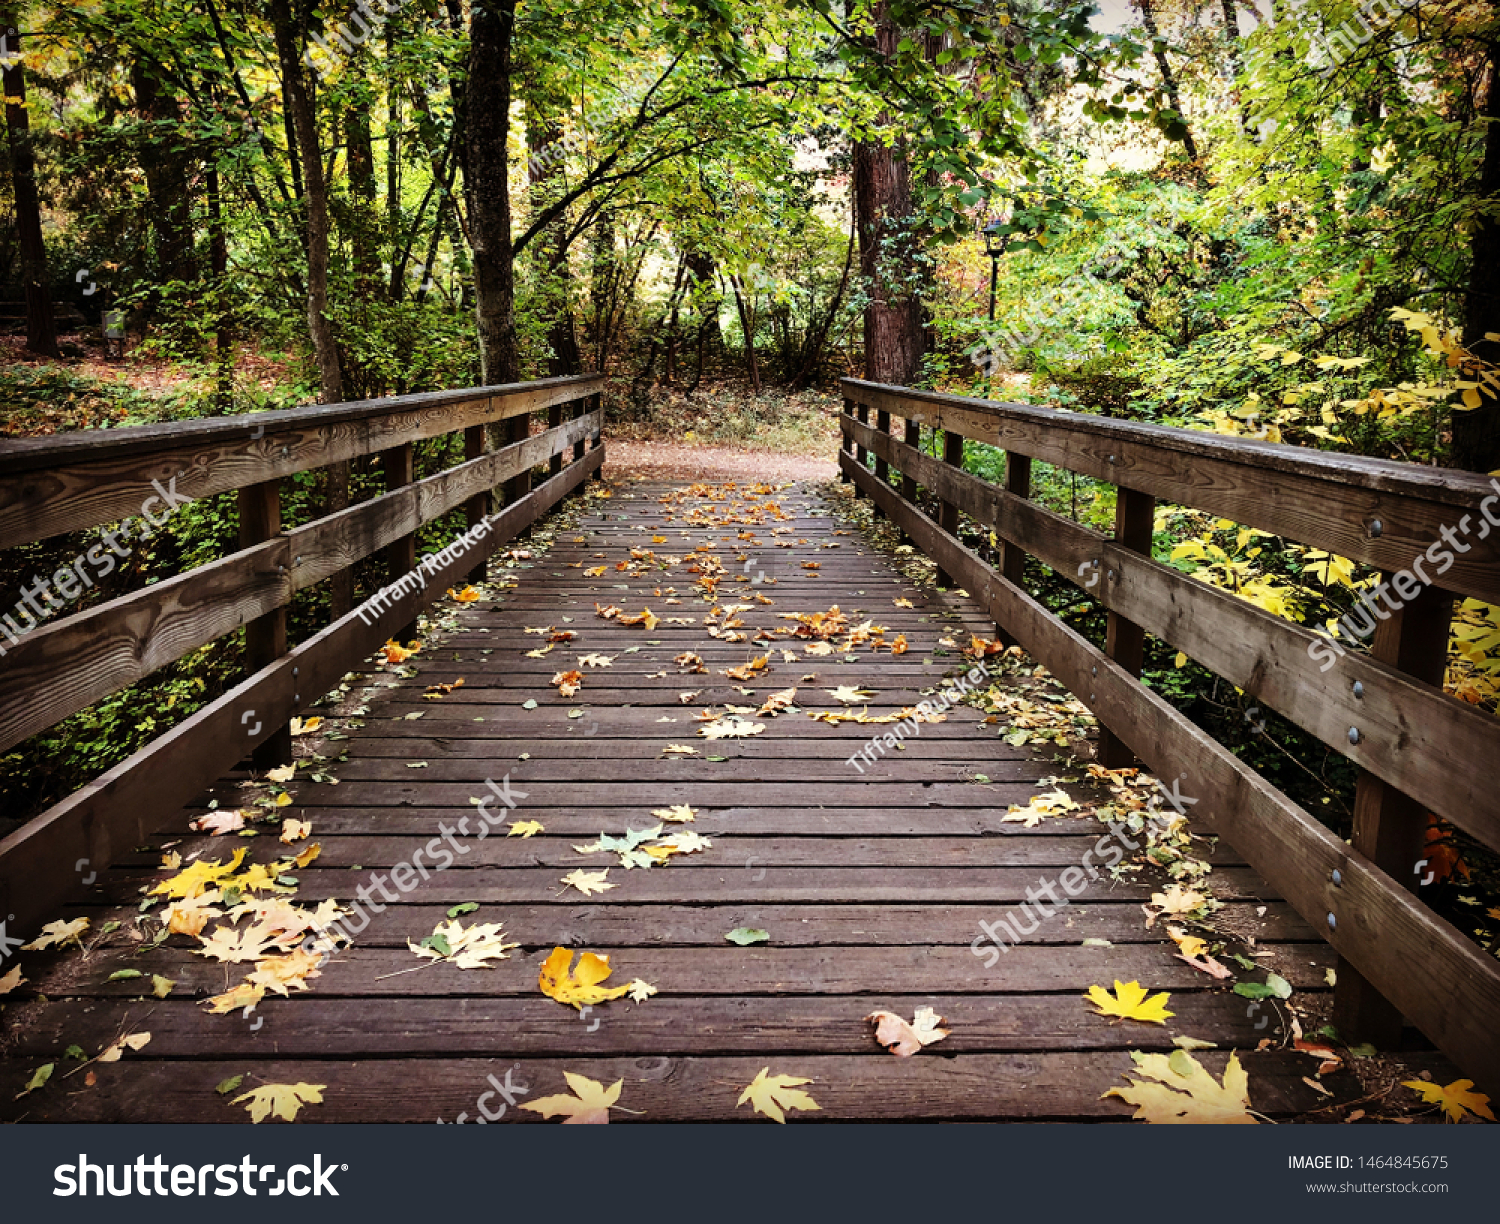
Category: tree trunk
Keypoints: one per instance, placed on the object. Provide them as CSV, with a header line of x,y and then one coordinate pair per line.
x,y
1168,77
894,339
747,326
303,119
1476,433
41,329
545,172
487,186
300,109
168,171
604,278
218,254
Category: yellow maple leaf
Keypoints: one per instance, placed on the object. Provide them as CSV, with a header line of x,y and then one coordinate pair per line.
x,y
235,947
135,1041
56,934
589,1105
730,728
304,726
465,947
246,995
294,830
467,595
280,974
280,1100
678,813
191,914
679,750
1184,1091
196,878
580,985
849,694
770,1094
588,882
1455,1098
596,571
1178,900
525,828
1130,1002
396,653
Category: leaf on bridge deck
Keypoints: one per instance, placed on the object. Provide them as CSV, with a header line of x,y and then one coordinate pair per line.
x,y
588,882
1455,1098
578,985
59,933
1130,1002
280,1100
1184,1091
771,1095
590,1103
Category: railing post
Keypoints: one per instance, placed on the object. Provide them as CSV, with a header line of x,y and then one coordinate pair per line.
x,y
882,425
847,443
953,453
265,636
1126,641
555,419
399,465
517,429
477,506
913,439
596,404
1013,556
1390,828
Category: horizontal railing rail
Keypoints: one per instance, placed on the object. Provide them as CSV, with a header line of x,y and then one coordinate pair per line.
x,y
83,480
1421,749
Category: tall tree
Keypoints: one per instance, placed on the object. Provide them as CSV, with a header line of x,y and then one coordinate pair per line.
x,y
41,329
894,338
487,96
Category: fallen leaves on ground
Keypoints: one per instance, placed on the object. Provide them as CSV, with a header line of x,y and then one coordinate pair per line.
x,y
1178,900
465,947
748,935
779,702
467,595
219,822
679,750
1456,1098
58,934
690,663
588,882
850,694
903,1039
731,728
294,830
770,1094
1184,1091
579,985
596,660
396,653
525,828
280,1100
1054,803
747,671
304,726
136,1041
678,813
589,1104
567,683
11,980
1130,1002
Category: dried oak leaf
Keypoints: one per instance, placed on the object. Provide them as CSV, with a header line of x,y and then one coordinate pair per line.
x,y
903,1039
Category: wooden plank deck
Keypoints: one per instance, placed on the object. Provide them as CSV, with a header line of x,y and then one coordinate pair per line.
x,y
871,885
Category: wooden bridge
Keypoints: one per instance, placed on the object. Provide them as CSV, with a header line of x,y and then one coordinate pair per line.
x,y
628,668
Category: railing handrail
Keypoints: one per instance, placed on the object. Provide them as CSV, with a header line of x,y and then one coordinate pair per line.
x,y
1356,471
86,445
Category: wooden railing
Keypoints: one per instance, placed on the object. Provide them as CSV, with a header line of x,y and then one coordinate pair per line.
x,y
77,481
1420,749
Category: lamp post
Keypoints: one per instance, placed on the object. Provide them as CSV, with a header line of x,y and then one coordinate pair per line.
x,y
994,247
